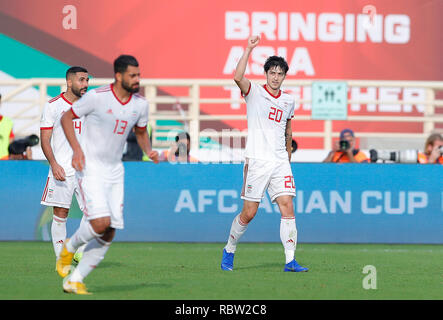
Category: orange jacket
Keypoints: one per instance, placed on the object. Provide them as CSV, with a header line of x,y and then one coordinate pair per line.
x,y
423,158
341,157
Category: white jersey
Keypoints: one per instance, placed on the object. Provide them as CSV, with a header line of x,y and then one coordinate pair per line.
x,y
267,117
50,120
107,123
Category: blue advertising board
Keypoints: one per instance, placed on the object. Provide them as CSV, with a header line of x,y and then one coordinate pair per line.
x,y
339,203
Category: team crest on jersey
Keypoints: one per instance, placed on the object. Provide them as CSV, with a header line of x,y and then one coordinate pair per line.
x,y
285,105
109,111
249,188
134,114
50,193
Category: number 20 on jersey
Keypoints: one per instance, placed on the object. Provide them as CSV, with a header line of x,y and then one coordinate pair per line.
x,y
275,114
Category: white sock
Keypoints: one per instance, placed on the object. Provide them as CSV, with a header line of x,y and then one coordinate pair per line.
x,y
94,253
238,228
83,246
83,235
288,237
58,233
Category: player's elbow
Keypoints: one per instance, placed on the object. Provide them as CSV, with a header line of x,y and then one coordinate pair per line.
x,y
238,79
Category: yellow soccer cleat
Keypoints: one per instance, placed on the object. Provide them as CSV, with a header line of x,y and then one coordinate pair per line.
x,y
75,287
64,261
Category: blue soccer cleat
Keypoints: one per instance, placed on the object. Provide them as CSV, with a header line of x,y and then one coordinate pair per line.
x,y
227,263
293,266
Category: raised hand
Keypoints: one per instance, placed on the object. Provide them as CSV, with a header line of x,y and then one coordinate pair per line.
x,y
253,41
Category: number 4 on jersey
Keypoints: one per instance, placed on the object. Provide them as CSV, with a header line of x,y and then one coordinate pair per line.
x,y
78,126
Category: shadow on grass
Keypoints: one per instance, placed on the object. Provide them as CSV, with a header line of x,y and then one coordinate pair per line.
x,y
130,287
112,264
260,266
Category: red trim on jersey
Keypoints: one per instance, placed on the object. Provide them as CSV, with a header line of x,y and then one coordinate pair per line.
x,y
63,96
54,99
46,190
46,128
275,97
141,127
249,89
76,116
122,103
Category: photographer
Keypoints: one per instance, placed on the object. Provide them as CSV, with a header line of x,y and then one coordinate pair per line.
x,y
20,149
179,152
433,151
6,135
343,150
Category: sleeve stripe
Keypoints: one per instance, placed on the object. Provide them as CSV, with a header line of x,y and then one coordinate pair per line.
x,y
46,128
249,89
76,116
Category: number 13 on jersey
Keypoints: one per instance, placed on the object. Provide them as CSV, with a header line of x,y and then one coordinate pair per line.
x,y
120,126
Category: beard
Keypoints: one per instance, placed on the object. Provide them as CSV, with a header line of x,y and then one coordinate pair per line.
x,y
79,91
130,89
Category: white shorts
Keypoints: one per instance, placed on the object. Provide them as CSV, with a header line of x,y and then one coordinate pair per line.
x,y
102,198
59,193
262,175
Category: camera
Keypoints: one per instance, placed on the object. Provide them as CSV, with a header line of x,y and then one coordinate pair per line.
x,y
182,150
403,156
19,146
344,145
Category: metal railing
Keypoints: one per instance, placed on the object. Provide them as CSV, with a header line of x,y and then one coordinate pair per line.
x,y
154,92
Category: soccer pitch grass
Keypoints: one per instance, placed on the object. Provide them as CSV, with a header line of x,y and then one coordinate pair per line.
x,y
191,271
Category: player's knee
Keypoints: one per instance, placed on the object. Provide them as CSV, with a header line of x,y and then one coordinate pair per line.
x,y
60,212
247,215
100,225
286,206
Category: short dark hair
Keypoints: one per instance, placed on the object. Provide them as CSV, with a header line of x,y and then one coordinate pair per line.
x,y
123,61
275,61
182,135
74,70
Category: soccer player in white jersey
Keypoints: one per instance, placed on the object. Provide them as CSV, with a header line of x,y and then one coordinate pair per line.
x,y
110,112
61,184
268,154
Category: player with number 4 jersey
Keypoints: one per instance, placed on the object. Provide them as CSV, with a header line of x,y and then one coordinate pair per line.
x,y
61,184
267,155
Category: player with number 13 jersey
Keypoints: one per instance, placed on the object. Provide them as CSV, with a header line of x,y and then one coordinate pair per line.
x,y
108,123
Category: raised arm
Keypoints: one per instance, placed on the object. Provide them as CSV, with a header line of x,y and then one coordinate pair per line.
x,y
239,76
78,158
